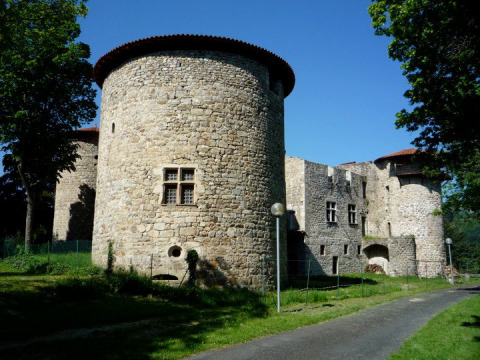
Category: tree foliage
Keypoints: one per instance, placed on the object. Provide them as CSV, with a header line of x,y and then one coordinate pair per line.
x,y
438,44
45,90
464,230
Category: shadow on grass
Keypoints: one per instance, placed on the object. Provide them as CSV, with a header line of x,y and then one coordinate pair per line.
x,y
328,282
5,274
474,323
177,318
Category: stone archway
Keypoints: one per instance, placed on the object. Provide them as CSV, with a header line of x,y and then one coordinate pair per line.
x,y
378,254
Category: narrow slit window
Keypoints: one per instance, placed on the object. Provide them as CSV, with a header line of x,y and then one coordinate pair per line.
x,y
322,249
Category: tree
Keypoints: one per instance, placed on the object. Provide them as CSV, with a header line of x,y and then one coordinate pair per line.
x,y
45,91
464,230
438,44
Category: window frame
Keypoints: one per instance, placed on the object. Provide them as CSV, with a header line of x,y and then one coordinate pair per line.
x,y
174,178
352,214
331,212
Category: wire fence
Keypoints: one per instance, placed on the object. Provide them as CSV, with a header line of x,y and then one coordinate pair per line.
x,y
76,253
314,287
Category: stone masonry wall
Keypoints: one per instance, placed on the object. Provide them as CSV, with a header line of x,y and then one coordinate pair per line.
x,y
217,113
402,254
401,203
75,194
295,188
335,236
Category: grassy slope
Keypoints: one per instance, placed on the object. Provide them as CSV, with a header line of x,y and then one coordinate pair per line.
x,y
29,308
453,334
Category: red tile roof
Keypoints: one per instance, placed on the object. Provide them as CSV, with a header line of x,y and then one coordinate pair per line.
x,y
278,67
94,129
406,152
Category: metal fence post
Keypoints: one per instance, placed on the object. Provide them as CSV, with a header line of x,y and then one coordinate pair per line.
x,y
361,271
338,278
408,285
263,279
426,276
384,289
308,280
77,254
151,266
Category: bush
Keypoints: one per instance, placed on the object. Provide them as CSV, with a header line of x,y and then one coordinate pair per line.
x,y
129,283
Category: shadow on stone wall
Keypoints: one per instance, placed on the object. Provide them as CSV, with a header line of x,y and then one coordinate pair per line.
x,y
212,273
298,255
80,225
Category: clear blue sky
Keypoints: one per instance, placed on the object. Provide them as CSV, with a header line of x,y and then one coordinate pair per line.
x,y
347,90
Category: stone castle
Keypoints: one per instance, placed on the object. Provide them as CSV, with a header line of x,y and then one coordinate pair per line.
x,y
191,156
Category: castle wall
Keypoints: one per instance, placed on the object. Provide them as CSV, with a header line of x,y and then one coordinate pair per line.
x,y
295,189
402,252
217,115
401,204
340,238
75,194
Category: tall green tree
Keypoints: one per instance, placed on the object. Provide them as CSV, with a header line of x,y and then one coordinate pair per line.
x,y
45,91
438,44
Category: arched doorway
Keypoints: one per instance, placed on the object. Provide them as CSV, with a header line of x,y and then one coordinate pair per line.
x,y
378,254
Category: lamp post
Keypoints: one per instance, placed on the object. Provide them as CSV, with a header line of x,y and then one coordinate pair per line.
x,y
278,210
449,241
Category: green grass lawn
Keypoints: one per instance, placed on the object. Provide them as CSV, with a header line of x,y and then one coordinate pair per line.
x,y
181,321
453,334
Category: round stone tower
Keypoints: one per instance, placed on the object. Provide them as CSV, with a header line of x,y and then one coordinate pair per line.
x,y
75,191
409,203
191,156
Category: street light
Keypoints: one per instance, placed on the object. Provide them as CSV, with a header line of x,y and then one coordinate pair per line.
x,y
449,241
278,210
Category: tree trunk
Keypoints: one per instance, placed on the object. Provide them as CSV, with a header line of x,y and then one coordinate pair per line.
x,y
30,209
29,221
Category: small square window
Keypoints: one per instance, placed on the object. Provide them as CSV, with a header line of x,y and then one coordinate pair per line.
x,y
170,194
188,174
179,186
171,175
187,195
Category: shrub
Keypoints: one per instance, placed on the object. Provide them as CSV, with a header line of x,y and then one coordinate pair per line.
x,y
192,260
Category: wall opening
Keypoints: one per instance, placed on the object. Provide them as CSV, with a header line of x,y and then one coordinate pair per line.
x,y
164,277
335,265
322,249
175,251
378,254
364,226
345,249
